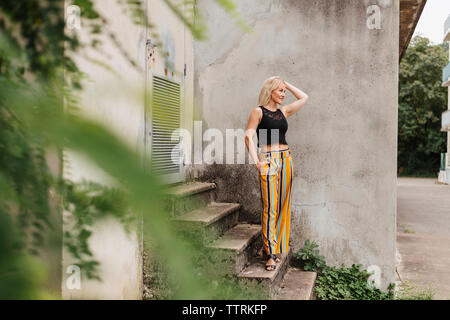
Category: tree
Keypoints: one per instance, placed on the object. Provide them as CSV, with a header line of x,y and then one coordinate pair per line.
x,y
422,99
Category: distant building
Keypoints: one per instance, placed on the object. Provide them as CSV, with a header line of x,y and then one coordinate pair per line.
x,y
444,171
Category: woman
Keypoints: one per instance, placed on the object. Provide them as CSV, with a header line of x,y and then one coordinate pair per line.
x,y
274,162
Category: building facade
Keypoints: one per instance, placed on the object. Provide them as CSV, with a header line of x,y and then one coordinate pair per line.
x,y
344,54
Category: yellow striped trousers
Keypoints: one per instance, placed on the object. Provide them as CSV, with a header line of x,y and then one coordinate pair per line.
x,y
275,182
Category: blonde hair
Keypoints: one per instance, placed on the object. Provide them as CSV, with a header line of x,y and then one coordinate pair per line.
x,y
268,86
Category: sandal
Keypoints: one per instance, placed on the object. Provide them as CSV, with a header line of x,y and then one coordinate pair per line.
x,y
274,257
271,267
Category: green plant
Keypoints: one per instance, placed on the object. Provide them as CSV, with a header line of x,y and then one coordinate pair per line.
x,y
310,257
405,229
349,284
338,283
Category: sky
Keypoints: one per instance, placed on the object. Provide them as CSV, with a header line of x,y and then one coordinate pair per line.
x,y
431,22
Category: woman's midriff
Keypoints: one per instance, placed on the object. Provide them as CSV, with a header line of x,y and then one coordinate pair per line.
x,y
274,147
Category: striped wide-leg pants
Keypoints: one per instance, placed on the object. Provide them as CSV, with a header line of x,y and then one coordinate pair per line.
x,y
275,181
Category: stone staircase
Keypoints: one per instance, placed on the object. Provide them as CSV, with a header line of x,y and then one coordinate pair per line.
x,y
238,245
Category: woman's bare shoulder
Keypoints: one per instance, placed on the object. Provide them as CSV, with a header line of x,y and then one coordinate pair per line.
x,y
257,111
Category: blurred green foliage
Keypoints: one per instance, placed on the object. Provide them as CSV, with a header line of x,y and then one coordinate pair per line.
x,y
39,81
422,99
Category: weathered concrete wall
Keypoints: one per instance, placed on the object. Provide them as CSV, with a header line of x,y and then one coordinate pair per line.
x,y
344,141
109,97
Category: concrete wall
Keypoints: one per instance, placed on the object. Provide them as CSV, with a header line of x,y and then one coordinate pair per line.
x,y
344,141
116,99
108,97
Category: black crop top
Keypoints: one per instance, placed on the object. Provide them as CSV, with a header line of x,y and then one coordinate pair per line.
x,y
269,121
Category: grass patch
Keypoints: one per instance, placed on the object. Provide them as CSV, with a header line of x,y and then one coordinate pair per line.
x,y
405,229
409,291
212,268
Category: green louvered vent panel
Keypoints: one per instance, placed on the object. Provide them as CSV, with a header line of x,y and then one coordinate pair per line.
x,y
165,119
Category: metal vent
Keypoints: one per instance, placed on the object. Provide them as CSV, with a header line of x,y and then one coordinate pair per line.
x,y
165,153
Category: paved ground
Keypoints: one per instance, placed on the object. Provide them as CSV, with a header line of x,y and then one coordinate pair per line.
x,y
423,233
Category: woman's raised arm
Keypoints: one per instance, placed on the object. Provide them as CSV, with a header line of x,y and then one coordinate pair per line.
x,y
295,106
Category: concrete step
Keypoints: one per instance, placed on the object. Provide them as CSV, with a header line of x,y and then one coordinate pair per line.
x,y
269,281
237,247
297,285
186,197
210,222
